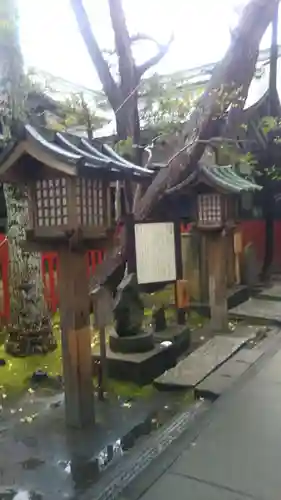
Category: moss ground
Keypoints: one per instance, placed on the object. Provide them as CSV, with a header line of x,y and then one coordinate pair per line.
x,y
15,375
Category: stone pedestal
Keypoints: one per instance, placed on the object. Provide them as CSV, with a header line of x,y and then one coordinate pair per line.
x,y
142,342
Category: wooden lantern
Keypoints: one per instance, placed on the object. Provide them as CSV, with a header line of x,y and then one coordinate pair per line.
x,y
68,182
63,204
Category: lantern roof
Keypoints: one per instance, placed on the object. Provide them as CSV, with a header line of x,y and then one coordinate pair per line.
x,y
221,178
67,153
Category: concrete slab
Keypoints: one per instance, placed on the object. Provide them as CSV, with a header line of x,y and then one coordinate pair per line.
x,y
195,367
182,488
272,372
248,356
249,331
222,379
239,447
272,292
256,309
215,385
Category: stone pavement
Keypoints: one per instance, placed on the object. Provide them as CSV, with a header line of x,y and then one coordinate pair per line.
x,y
232,453
42,460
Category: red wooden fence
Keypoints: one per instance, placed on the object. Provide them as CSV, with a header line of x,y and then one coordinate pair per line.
x,y
50,272
252,231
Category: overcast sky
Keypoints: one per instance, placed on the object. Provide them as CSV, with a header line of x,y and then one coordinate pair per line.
x,y
51,41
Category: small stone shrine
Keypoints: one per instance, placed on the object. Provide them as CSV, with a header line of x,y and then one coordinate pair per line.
x,y
159,322
128,311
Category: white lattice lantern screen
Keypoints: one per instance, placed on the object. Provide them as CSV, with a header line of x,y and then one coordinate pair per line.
x,y
91,209
68,203
51,202
210,210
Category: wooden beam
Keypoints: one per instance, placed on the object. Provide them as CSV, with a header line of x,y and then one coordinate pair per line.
x,y
217,258
76,339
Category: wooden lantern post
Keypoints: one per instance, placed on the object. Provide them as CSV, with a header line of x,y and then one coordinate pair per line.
x,y
103,317
76,338
69,211
70,215
215,192
212,213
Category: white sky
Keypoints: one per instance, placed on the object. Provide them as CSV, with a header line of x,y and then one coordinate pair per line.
x,y
51,41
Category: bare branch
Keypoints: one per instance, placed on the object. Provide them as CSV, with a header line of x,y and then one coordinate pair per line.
x,y
108,83
162,51
144,37
109,52
122,44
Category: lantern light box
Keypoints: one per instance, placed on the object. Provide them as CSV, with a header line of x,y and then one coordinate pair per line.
x,y
210,209
53,203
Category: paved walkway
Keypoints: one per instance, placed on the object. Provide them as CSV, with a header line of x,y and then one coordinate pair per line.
x,y
233,453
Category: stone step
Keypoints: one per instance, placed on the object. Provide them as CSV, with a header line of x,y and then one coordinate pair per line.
x,y
266,311
224,377
199,364
272,292
227,374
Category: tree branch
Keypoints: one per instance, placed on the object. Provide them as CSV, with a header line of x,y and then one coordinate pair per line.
x,y
109,85
230,82
123,45
162,51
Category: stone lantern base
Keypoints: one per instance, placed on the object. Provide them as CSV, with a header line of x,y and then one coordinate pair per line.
x,y
27,343
142,342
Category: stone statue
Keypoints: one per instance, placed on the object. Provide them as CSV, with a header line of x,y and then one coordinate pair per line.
x,y
158,318
128,308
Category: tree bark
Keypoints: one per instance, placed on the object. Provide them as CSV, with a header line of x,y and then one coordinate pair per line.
x,y
23,267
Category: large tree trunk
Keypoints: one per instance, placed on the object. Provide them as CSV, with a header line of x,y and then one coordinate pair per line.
x,y
28,310
228,86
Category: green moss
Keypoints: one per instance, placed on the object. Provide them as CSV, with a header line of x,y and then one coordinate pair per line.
x,y
196,320
128,390
15,375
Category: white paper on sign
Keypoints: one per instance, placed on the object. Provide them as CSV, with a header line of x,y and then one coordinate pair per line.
x,y
155,252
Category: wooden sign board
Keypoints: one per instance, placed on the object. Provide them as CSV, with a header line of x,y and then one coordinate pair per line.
x,y
237,242
103,307
155,252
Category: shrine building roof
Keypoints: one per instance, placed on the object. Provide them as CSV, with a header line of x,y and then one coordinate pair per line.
x,y
67,153
222,178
